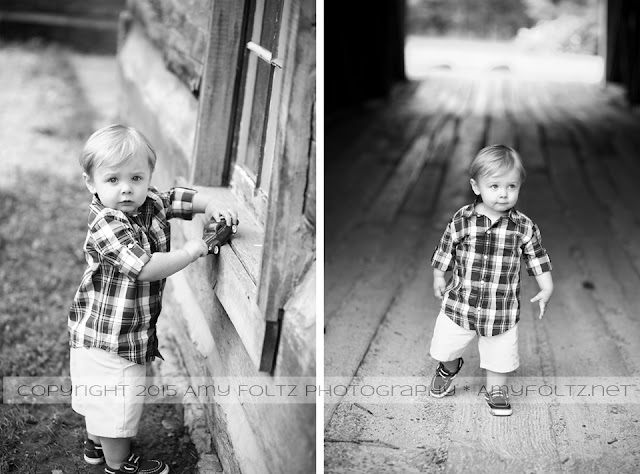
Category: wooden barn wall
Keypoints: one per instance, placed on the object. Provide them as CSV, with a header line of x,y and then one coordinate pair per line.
x,y
179,29
86,25
623,46
364,51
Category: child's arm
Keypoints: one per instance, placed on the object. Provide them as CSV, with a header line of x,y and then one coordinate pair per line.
x,y
210,209
163,264
545,282
539,265
442,259
439,283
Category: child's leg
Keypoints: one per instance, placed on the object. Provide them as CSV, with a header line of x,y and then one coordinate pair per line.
x,y
110,404
451,365
449,342
116,450
94,438
447,346
497,395
496,380
499,356
93,453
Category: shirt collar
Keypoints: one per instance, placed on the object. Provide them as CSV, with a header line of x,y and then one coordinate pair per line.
x,y
469,211
96,201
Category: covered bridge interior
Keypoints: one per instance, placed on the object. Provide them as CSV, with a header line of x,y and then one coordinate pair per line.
x,y
396,158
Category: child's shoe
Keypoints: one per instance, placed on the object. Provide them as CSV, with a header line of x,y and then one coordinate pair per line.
x,y
93,453
134,464
498,401
441,381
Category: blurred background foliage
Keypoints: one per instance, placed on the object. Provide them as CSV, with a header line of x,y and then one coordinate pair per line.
x,y
535,25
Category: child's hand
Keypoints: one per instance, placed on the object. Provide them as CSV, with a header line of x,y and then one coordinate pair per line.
x,y
196,248
439,284
542,297
211,211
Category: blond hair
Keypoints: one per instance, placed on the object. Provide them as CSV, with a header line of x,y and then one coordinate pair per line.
x,y
496,160
113,146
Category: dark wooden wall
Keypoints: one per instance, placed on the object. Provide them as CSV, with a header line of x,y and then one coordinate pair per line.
x,y
364,51
623,46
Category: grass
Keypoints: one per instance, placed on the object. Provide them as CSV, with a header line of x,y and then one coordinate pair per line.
x,y
40,250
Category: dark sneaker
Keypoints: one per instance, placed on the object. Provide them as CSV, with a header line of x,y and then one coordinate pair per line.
x,y
93,452
441,381
498,401
135,464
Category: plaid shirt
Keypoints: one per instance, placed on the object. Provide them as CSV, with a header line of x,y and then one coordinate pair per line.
x,y
112,310
483,293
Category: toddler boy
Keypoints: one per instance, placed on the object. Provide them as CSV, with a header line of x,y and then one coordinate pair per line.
x,y
112,321
482,246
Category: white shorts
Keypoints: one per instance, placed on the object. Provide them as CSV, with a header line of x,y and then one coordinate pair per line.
x,y
108,391
497,353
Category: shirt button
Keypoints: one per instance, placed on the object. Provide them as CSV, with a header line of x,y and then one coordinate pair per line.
x,y
488,232
486,257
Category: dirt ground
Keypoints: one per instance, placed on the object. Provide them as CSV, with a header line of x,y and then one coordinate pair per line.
x,y
50,101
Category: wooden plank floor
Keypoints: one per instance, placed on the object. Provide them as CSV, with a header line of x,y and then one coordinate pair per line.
x,y
395,171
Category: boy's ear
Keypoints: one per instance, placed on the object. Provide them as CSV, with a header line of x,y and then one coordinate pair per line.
x,y
89,183
475,187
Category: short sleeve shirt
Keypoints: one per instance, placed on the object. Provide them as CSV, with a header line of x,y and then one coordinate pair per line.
x,y
483,293
112,310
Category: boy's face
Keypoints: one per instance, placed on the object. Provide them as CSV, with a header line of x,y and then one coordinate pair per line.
x,y
124,187
499,192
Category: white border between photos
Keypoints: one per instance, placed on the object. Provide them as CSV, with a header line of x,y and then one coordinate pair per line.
x,y
320,231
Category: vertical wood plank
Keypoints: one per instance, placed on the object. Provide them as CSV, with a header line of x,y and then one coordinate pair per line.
x,y
263,89
218,96
310,194
285,230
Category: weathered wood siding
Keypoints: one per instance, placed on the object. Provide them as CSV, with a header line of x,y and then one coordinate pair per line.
x,y
179,29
